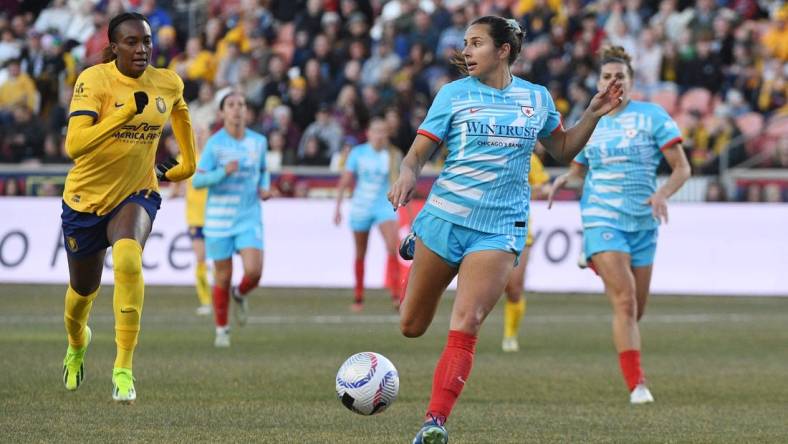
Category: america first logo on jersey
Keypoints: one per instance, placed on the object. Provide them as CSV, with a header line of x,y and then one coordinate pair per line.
x,y
528,111
161,105
79,90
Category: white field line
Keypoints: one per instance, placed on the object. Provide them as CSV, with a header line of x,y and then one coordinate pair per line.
x,y
188,318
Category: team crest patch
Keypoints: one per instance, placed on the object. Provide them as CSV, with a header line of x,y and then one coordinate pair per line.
x,y
160,105
527,110
607,235
72,244
631,133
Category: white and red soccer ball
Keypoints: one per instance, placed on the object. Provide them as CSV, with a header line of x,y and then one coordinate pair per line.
x,y
367,383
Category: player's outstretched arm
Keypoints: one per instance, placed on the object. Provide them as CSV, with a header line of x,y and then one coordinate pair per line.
x,y
84,135
576,174
401,191
564,145
182,129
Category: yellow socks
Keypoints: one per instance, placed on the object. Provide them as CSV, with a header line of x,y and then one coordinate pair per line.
x,y
76,315
201,282
127,301
513,312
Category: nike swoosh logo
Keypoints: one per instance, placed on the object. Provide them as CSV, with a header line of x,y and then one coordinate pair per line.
x,y
473,110
118,105
127,310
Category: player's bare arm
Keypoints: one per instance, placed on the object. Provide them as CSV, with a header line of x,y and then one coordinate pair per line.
x,y
420,151
681,171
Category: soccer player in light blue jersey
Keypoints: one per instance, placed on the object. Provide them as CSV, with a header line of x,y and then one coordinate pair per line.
x,y
474,223
233,169
371,164
622,207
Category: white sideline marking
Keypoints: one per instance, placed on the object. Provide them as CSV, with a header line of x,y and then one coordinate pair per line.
x,y
188,318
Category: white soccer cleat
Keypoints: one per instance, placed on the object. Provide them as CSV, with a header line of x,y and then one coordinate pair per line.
x,y
510,344
640,395
222,339
204,310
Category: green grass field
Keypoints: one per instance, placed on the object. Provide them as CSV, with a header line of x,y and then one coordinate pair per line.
x,y
718,368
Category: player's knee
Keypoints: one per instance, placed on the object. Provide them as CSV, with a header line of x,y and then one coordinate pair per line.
x,y
411,329
127,257
253,277
625,304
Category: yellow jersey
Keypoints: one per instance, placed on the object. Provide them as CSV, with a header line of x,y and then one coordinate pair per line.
x,y
195,204
115,156
537,176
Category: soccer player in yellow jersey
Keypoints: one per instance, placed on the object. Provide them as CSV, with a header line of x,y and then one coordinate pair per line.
x,y
111,196
195,220
515,305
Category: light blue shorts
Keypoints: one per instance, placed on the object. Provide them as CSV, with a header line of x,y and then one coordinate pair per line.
x,y
365,219
453,242
640,245
220,248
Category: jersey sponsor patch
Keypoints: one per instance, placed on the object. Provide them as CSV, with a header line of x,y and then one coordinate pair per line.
x,y
160,105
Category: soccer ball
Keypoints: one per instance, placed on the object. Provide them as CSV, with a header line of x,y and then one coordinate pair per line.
x,y
367,383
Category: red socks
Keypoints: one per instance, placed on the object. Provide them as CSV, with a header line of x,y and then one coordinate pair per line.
x,y
392,273
247,285
630,367
221,300
452,371
359,291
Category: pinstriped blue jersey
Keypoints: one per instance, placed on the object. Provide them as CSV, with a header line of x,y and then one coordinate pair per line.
x,y
371,169
622,157
233,204
490,135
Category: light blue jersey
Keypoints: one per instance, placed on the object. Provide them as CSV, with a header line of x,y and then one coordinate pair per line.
x,y
233,204
622,157
371,169
490,135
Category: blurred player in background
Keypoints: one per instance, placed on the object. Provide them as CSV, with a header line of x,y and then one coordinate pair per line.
x,y
474,222
195,220
233,168
111,195
371,164
514,310
622,207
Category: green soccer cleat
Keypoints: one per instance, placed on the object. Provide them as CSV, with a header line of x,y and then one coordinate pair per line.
x,y
123,386
73,363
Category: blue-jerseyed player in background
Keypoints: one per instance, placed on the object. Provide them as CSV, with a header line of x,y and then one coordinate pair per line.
x,y
371,163
622,207
233,169
474,223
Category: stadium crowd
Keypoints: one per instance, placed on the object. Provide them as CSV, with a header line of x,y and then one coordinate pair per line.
x,y
315,71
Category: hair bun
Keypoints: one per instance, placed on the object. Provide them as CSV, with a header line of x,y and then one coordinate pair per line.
x,y
514,25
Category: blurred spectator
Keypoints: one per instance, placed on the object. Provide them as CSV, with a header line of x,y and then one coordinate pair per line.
x,y
715,192
725,143
315,152
302,107
451,39
165,48
54,150
18,90
26,142
326,130
10,48
157,17
276,146
772,193
753,193
776,38
228,72
281,120
203,109
195,64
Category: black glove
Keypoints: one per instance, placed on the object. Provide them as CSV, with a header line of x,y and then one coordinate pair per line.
x,y
140,99
162,168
